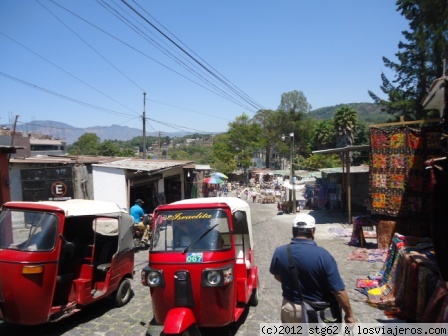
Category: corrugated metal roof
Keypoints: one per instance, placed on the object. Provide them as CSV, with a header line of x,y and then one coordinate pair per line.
x,y
353,169
63,159
34,141
342,149
143,165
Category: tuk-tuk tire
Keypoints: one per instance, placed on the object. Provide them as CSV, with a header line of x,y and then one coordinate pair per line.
x,y
253,301
123,293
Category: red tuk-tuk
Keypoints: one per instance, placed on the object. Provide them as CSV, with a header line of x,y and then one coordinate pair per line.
x,y
202,271
57,257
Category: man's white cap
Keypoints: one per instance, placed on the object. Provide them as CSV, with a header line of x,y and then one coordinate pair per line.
x,y
304,221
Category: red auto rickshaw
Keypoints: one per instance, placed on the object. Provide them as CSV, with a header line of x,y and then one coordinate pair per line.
x,y
57,257
202,271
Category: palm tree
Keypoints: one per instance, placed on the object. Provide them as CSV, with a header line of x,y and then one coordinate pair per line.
x,y
345,121
324,134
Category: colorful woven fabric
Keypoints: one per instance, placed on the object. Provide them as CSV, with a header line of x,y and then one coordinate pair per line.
x,y
358,224
397,174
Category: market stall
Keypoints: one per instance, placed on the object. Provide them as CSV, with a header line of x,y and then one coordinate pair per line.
x,y
408,193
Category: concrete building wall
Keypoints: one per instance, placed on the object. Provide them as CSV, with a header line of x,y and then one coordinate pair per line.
x,y
83,182
16,183
109,184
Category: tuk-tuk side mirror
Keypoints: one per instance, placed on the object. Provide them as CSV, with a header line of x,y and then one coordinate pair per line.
x,y
68,248
240,216
240,226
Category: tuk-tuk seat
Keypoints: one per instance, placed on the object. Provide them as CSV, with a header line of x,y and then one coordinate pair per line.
x,y
242,250
241,258
104,251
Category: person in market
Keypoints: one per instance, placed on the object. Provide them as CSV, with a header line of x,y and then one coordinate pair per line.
x,y
138,213
318,273
253,194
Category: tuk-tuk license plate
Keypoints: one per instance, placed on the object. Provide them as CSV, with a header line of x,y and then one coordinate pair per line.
x,y
194,257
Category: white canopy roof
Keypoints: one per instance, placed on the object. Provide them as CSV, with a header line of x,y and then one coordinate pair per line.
x,y
81,207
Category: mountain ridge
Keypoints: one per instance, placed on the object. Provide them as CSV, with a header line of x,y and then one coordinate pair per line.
x,y
367,112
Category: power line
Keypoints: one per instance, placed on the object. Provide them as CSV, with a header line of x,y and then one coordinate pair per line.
x,y
91,47
166,52
91,105
145,55
63,97
174,36
68,73
190,56
185,109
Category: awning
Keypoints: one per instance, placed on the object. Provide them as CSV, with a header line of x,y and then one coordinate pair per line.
x,y
288,185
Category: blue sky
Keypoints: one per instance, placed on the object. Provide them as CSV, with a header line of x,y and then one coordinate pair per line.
x,y
81,65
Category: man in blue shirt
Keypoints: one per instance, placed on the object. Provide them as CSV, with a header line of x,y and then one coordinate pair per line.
x,y
138,213
317,270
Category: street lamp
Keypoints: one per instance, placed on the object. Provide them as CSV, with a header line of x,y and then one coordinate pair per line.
x,y
292,179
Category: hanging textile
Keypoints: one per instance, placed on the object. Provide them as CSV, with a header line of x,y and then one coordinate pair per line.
x,y
398,181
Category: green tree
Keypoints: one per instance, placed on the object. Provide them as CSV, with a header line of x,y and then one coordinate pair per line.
x,y
269,122
319,161
87,144
324,134
224,154
420,58
127,152
294,117
240,142
108,148
294,102
345,121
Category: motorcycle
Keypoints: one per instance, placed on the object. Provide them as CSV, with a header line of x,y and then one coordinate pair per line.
x,y
138,233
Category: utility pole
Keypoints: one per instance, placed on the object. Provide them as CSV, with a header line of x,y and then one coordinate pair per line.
x,y
14,130
160,144
144,125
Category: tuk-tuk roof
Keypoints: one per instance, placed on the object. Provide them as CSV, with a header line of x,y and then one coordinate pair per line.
x,y
234,203
74,207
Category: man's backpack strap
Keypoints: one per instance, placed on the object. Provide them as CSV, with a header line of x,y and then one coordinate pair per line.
x,y
294,273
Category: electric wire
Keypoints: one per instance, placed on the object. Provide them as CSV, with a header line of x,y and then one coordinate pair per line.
x,y
222,76
185,109
166,52
178,127
63,96
91,47
189,55
142,53
68,73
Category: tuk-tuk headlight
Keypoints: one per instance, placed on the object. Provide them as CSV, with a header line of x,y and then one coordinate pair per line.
x,y
214,278
151,277
217,277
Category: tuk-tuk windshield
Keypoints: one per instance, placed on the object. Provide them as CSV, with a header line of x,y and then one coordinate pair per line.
x,y
187,229
28,230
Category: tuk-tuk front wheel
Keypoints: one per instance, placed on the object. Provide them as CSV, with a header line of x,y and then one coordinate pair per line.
x,y
253,301
123,293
